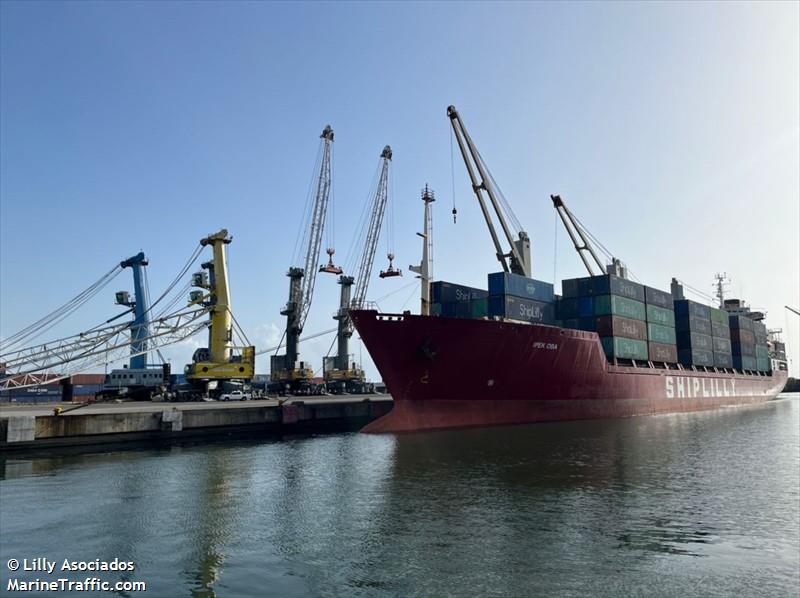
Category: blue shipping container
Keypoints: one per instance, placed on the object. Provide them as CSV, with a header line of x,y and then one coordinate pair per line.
x,y
576,287
701,357
506,283
723,360
687,307
608,284
693,340
575,307
658,298
744,362
448,292
693,324
517,308
741,322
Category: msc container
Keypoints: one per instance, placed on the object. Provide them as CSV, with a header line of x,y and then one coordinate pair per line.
x,y
658,298
763,364
687,307
664,335
693,340
661,315
693,324
723,360
701,357
619,326
662,353
720,330
575,307
624,348
608,284
448,292
614,305
739,335
744,362
740,322
743,349
527,310
507,283
722,345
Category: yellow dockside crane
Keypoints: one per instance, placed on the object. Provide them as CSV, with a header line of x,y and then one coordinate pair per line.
x,y
221,361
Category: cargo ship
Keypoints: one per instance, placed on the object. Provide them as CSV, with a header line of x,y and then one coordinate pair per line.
x,y
517,352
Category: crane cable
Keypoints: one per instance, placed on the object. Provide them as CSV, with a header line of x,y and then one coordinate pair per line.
x,y
45,323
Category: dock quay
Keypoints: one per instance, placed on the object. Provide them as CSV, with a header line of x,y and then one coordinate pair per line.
x,y
31,426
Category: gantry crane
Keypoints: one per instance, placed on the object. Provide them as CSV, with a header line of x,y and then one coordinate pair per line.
x,y
287,373
518,258
221,361
342,374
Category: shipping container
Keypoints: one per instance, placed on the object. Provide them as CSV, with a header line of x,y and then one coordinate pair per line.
x,y
456,309
762,352
693,340
660,315
699,357
720,330
516,308
744,362
740,322
740,335
763,364
693,324
723,360
587,324
507,283
576,287
575,307
743,349
479,308
664,335
624,348
608,284
723,345
614,305
448,292
662,353
760,330
658,298
718,315
436,309
77,379
687,307
619,326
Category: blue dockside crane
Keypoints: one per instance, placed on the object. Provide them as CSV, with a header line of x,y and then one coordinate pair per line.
x,y
140,328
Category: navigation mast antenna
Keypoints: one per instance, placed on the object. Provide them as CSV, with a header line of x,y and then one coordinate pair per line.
x,y
720,282
518,259
425,268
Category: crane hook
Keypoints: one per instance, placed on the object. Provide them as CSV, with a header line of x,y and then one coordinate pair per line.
x,y
454,215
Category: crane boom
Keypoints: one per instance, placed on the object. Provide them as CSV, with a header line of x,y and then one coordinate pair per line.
x,y
579,240
518,259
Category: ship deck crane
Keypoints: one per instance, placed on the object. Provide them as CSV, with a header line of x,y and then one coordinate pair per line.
x,y
342,374
287,373
221,361
518,258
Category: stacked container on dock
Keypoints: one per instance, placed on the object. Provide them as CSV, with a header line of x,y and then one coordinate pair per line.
x,y
721,338
611,306
693,333
521,298
661,339
743,342
457,301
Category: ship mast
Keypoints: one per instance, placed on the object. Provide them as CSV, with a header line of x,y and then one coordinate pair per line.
x,y
425,268
721,280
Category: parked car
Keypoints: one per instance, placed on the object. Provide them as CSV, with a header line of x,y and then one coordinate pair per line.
x,y
235,395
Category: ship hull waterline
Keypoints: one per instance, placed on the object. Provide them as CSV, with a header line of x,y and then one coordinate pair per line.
x,y
453,373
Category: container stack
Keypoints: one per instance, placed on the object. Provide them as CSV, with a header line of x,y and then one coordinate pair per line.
x,y
611,306
520,298
661,339
721,338
763,362
693,333
457,301
743,342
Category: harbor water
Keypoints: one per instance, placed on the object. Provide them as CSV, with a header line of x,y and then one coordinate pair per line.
x,y
702,504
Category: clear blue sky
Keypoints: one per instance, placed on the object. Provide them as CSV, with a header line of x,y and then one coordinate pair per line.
x,y
672,130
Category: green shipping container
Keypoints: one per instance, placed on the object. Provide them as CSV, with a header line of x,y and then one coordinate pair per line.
x,y
661,316
479,308
624,348
614,305
718,315
661,334
762,352
762,364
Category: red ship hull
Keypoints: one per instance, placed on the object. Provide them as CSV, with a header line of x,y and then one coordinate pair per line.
x,y
452,372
